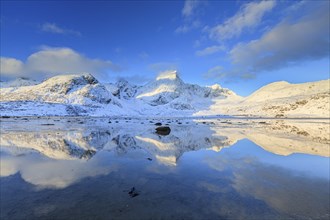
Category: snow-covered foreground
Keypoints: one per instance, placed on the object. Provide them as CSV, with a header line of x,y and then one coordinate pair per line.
x,y
167,95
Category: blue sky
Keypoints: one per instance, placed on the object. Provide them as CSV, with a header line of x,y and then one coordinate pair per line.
x,y
241,45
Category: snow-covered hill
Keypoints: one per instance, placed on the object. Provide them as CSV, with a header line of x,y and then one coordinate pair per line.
x,y
167,95
18,83
280,99
66,89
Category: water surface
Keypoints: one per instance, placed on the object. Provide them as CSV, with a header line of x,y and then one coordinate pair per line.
x,y
100,168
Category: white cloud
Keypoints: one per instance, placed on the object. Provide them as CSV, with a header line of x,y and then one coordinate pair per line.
x,y
190,22
188,27
52,61
54,28
220,73
289,42
250,15
210,50
190,7
55,174
10,66
215,72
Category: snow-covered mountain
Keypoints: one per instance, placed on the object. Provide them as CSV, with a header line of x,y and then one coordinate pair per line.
x,y
67,89
122,89
18,83
168,88
167,95
280,99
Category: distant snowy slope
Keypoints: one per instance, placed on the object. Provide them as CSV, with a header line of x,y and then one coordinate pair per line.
x,y
280,99
18,83
282,89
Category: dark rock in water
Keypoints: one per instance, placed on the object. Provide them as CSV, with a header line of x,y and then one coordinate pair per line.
x,y
164,130
149,159
158,124
133,192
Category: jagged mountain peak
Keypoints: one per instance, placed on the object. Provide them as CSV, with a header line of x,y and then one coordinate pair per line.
x,y
215,86
125,89
122,82
168,75
167,87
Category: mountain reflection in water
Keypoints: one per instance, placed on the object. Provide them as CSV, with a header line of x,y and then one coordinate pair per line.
x,y
204,169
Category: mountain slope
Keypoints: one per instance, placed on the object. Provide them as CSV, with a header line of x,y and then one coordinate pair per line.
x,y
168,95
280,99
18,83
66,89
169,89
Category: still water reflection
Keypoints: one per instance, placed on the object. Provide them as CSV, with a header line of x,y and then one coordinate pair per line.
x,y
204,169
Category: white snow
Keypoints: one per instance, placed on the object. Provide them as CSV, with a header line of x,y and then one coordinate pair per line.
x,y
170,74
18,83
279,99
167,95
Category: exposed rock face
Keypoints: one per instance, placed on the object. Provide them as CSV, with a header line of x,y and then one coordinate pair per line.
x,y
125,89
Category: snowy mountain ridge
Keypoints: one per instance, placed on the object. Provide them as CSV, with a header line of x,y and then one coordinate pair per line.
x,y
18,83
66,89
167,95
280,99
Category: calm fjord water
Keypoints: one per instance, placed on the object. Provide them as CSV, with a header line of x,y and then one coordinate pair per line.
x,y
74,168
